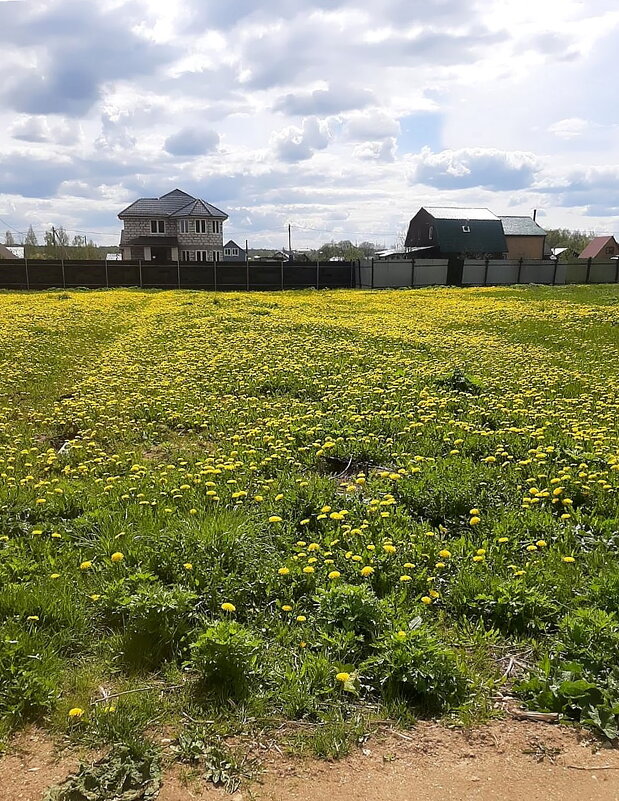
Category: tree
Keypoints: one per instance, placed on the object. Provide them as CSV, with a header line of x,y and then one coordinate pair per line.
x,y
9,239
56,243
30,243
576,241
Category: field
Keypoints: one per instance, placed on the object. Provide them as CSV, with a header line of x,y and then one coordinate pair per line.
x,y
330,507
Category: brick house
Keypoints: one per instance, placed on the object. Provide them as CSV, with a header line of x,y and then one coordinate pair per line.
x,y
525,238
174,227
602,248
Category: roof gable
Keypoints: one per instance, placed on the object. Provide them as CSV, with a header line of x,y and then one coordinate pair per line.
x,y
470,236
594,247
174,204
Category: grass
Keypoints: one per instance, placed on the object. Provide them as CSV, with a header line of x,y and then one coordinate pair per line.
x,y
329,507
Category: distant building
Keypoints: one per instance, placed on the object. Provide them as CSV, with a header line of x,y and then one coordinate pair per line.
x,y
233,252
439,232
172,227
525,238
602,248
8,252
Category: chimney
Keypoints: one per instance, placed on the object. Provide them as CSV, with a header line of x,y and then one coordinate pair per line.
x,y
534,214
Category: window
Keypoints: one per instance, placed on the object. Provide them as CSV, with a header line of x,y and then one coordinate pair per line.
x,y
183,226
186,255
216,255
201,226
431,232
202,255
157,227
231,251
216,226
610,251
466,229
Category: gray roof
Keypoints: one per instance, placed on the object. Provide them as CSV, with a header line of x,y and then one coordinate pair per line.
x,y
175,204
459,213
521,226
232,244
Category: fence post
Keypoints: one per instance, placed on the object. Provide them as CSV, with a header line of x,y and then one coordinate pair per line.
x,y
352,274
617,271
107,276
372,274
486,273
412,272
27,274
64,283
519,270
317,274
281,276
588,270
140,271
247,271
215,275
178,273
554,273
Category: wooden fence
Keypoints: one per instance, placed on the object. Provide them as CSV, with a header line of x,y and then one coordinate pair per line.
x,y
263,276
216,276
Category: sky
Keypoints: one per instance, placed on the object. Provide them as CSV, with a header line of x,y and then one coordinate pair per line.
x,y
339,117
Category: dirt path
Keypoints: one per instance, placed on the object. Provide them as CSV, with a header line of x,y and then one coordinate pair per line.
x,y
430,763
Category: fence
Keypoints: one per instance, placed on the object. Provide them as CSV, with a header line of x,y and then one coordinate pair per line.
x,y
257,276
242,275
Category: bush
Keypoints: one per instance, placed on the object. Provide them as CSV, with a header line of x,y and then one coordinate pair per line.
x,y
591,638
415,667
351,608
225,657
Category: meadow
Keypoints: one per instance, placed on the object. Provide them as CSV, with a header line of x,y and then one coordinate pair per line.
x,y
323,507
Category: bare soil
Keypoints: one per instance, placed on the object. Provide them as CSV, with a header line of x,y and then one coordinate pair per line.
x,y
504,761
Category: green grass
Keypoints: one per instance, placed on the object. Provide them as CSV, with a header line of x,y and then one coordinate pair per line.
x,y
220,505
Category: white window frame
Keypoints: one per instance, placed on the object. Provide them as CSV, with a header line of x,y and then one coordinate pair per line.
x,y
202,255
466,229
216,226
186,255
217,255
201,227
183,226
157,226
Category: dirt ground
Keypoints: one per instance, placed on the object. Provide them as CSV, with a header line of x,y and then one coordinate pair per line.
x,y
505,761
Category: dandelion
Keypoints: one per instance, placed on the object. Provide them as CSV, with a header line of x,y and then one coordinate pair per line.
x,y
426,600
188,566
334,574
283,571
117,557
85,565
343,677
308,570
33,617
228,607
568,559
503,539
301,618
366,571
55,575
286,608
76,712
275,519
474,521
405,578
444,554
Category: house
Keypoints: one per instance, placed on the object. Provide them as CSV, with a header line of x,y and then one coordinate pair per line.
x,y
173,227
441,232
525,238
7,252
233,252
602,248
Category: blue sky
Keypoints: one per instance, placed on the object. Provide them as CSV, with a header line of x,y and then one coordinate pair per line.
x,y
342,117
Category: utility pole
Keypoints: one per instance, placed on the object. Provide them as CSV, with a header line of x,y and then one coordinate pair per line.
x,y
289,242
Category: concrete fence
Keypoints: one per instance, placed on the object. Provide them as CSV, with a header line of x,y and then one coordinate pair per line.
x,y
257,276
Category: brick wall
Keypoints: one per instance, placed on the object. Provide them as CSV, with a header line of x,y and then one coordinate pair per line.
x,y
137,226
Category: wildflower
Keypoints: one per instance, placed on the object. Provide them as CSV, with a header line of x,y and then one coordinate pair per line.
x,y
541,543
343,677
389,548
334,574
188,566
503,539
568,559
426,600
76,712
309,570
474,521
275,519
85,565
531,547
366,571
33,617
474,512
228,607
286,608
478,558
94,597
54,575
283,571
117,557
405,578
444,554
301,618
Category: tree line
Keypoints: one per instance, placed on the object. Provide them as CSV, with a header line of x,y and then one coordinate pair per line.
x,y
57,244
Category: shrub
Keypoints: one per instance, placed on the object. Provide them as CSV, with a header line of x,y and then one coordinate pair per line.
x,y
351,608
591,638
415,667
225,657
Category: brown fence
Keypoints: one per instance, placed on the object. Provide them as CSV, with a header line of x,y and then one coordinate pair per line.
x,y
217,276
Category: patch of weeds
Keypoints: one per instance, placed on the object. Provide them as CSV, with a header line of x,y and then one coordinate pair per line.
x,y
458,381
220,764
122,775
335,735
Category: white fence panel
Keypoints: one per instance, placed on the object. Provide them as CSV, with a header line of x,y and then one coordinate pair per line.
x,y
431,272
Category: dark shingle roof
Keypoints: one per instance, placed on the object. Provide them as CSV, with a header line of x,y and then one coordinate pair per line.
x,y
175,204
232,244
521,226
483,236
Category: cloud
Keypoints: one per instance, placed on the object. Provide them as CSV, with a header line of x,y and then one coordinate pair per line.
x,y
370,125
325,101
39,129
192,142
570,128
475,167
377,151
297,144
